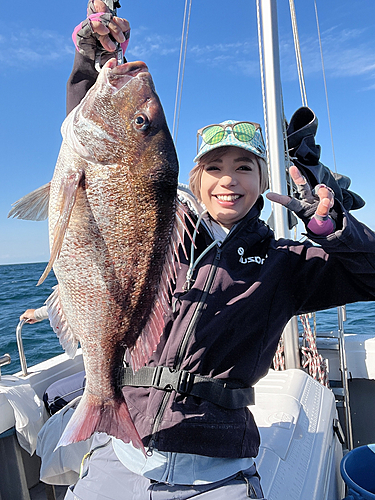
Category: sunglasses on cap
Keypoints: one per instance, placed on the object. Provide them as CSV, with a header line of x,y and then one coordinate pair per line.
x,y
213,134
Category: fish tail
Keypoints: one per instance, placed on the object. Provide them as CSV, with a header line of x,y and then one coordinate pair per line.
x,y
94,415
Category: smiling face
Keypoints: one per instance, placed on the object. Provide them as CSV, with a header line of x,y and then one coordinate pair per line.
x,y
230,185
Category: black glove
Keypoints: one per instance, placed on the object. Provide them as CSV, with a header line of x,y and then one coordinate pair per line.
x,y
305,206
87,41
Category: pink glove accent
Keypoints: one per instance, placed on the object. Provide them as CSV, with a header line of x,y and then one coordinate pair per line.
x,y
88,33
321,227
96,16
74,34
124,46
92,17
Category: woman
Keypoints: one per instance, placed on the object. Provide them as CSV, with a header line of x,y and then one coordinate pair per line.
x,y
232,299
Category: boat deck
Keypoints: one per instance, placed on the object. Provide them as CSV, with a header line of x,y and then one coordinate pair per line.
x,y
46,492
362,405
290,418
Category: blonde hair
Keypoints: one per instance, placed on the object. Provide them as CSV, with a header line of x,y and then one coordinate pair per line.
x,y
195,175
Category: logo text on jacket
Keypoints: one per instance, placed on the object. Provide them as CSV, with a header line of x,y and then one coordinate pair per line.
x,y
248,260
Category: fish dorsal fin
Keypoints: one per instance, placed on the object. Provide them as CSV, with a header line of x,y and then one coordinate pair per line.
x,y
67,195
33,206
150,336
60,325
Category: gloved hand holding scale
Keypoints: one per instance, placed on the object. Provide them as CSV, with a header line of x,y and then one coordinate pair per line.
x,y
102,35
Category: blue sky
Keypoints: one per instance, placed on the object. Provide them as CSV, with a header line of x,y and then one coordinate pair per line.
x,y
222,81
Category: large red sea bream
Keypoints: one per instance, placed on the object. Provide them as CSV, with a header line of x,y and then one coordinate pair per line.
x,y
115,224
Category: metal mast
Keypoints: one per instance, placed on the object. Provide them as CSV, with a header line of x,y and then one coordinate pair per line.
x,y
276,148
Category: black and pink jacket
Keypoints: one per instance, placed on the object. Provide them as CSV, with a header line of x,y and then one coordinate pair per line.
x,y
228,323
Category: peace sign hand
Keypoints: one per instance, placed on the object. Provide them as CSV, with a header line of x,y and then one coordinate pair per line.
x,y
311,207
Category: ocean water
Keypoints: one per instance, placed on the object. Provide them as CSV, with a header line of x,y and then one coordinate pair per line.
x,y
18,292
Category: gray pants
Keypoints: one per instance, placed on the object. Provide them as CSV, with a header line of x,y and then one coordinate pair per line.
x,y
108,479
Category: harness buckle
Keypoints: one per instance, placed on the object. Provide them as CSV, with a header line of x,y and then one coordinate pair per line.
x,y
157,376
169,379
185,381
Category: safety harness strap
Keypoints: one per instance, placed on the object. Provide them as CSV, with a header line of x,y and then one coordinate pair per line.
x,y
165,378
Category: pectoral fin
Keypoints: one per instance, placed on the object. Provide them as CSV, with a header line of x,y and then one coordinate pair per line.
x,y
59,324
67,195
33,206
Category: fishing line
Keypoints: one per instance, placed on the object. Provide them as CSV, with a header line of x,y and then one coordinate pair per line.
x,y
297,50
260,47
181,70
325,84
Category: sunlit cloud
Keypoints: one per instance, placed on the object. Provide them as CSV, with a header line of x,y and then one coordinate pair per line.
x,y
345,54
369,87
238,56
144,44
231,48
33,46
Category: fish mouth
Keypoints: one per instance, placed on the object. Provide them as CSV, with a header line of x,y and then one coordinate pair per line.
x,y
119,75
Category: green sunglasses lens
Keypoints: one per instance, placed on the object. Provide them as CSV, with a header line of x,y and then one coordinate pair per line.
x,y
213,135
244,132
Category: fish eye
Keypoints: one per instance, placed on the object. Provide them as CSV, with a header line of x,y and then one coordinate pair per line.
x,y
141,122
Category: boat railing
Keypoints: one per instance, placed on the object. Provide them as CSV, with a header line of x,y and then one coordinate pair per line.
x,y
341,314
4,360
21,351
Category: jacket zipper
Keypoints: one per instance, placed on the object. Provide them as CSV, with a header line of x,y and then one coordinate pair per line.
x,y
197,313
158,417
183,345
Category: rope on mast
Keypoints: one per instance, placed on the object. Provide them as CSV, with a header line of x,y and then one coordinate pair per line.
x,y
325,84
297,50
260,46
286,151
181,69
